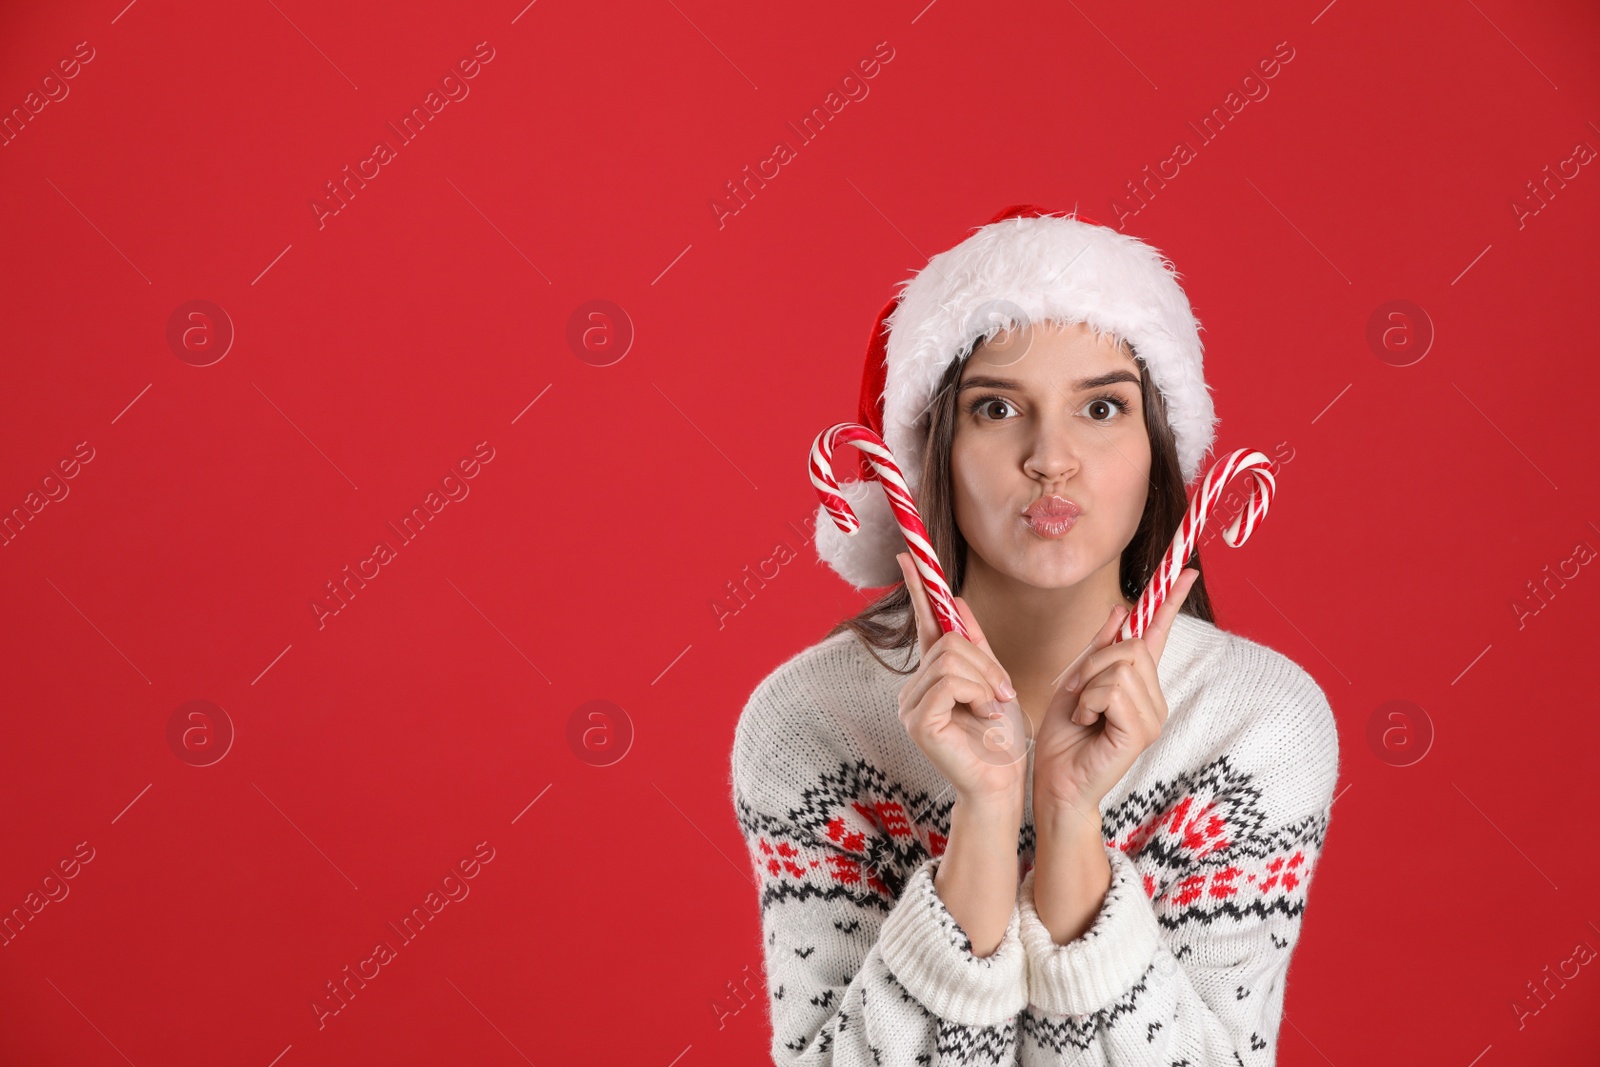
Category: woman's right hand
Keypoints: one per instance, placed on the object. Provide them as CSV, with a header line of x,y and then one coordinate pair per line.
x,y
945,706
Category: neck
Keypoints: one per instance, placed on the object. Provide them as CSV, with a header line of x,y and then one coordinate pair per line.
x,y
1035,632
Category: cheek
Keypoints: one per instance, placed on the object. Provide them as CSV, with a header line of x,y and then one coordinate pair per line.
x,y
1134,490
964,489
972,484
1119,480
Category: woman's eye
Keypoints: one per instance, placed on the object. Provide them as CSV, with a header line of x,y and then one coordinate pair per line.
x,y
1105,408
987,407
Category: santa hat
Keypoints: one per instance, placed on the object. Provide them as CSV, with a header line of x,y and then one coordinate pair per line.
x,y
1028,264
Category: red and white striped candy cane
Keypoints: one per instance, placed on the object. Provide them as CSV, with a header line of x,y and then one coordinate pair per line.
x,y
1007,735
1183,542
905,511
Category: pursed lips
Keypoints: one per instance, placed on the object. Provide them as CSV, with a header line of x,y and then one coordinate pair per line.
x,y
1053,507
1051,516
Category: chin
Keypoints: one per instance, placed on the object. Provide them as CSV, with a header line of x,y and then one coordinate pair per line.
x,y
1046,565
1053,577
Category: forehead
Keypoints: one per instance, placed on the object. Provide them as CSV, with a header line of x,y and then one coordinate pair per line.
x,y
1049,352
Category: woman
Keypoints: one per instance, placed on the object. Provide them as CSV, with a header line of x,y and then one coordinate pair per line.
x,y
1118,876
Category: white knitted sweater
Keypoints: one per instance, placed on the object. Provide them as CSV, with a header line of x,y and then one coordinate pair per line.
x,y
1211,835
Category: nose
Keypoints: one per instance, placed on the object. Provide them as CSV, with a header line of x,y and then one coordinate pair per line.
x,y
1052,455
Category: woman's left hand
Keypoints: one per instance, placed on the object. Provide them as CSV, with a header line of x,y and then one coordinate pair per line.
x,y
1094,730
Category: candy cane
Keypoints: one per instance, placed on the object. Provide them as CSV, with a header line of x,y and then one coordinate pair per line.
x,y
1007,735
1264,484
905,511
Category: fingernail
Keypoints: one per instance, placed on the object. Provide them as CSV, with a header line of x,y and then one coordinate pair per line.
x,y
1007,692
1072,682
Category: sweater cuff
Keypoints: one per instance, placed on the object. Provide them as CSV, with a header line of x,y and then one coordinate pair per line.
x,y
928,952
1090,973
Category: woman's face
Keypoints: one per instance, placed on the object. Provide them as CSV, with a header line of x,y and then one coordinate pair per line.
x,y
1050,411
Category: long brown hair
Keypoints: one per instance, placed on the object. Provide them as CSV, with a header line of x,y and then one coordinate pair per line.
x,y
888,624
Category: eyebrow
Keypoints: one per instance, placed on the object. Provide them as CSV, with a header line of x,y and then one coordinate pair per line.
x,y
1111,378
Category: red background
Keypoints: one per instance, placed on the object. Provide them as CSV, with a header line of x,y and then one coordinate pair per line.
x,y
442,706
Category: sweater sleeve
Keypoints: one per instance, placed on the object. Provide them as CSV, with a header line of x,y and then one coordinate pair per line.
x,y
1187,961
865,966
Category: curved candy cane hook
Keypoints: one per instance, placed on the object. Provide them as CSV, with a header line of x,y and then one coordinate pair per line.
x,y
904,507
1264,484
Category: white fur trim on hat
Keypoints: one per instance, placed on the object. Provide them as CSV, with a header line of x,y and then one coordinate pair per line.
x,y
1036,269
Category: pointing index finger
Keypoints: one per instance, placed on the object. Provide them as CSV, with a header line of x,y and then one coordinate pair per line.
x,y
927,628
1155,635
